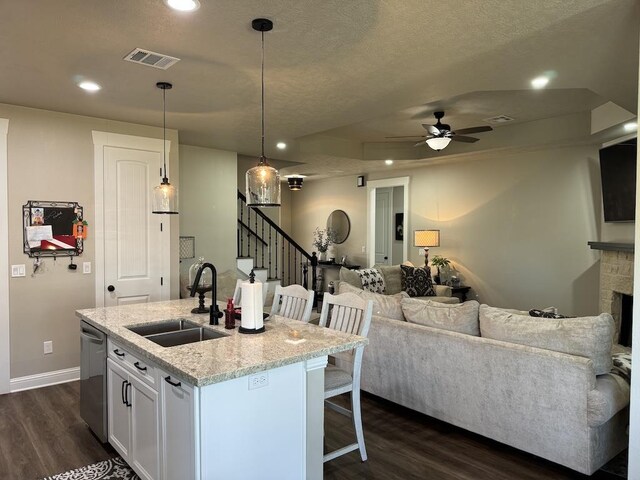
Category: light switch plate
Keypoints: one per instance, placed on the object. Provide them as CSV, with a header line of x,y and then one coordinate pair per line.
x,y
86,267
48,347
18,270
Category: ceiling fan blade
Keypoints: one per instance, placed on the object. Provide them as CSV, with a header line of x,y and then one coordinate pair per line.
x,y
433,130
465,131
408,136
421,142
461,138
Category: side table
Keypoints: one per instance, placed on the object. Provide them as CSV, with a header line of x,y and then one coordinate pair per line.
x,y
460,292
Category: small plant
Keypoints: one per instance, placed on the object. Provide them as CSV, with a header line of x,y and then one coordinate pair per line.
x,y
440,262
323,239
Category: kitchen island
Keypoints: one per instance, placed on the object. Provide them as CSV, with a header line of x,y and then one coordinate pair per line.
x,y
239,406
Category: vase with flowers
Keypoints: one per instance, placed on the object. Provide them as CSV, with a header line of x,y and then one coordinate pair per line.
x,y
322,240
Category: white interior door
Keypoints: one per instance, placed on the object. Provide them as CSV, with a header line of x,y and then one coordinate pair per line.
x,y
132,258
383,225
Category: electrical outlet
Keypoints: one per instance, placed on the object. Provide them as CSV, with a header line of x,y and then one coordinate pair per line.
x,y
18,270
364,249
48,347
86,267
258,380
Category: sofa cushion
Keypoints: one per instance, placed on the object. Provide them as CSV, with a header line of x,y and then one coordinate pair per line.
x,y
439,299
590,337
392,278
349,276
416,281
462,318
372,280
383,305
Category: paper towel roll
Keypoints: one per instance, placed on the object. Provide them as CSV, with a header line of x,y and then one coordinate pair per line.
x,y
252,305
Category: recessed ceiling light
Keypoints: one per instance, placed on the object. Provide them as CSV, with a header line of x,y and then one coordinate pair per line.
x,y
631,126
183,5
388,162
281,145
89,86
540,82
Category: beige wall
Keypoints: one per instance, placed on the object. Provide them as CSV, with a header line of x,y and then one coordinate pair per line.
x,y
208,204
50,157
515,226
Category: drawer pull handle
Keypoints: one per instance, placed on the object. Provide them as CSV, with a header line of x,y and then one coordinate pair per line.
x,y
175,384
118,353
137,365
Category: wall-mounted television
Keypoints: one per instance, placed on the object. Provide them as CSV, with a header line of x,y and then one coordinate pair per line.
x,y
618,175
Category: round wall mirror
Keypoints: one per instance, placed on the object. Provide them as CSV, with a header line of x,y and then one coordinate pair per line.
x,y
338,221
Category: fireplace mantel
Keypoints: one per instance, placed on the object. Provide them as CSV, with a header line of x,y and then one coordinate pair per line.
x,y
617,247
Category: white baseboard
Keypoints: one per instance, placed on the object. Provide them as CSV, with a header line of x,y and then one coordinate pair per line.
x,y
46,379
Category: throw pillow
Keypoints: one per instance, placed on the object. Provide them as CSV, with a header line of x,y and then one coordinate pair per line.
x,y
545,313
460,317
416,281
350,277
388,306
590,337
371,279
392,278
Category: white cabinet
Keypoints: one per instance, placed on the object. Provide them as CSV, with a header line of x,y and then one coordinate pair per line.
x,y
179,427
134,418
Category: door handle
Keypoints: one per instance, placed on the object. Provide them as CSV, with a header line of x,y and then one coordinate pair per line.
x,y
122,391
126,394
111,288
91,338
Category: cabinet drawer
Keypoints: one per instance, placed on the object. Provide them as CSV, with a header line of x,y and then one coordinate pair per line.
x,y
144,370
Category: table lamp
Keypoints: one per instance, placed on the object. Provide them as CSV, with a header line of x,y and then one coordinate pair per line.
x,y
426,239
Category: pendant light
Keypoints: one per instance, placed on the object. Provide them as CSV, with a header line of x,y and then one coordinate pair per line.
x,y
263,181
165,195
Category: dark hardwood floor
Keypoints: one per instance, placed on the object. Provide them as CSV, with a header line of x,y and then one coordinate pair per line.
x,y
41,434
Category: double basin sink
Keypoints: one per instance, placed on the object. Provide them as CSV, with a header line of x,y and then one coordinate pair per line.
x,y
171,333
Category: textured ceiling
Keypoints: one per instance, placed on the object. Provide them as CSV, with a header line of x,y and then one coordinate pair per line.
x,y
339,75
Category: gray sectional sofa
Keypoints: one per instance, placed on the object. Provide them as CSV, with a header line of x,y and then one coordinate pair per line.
x,y
527,392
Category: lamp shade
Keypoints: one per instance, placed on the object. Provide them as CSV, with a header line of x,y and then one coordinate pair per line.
x,y
165,198
263,185
426,238
438,143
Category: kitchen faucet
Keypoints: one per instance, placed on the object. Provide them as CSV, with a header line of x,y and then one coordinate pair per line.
x,y
214,312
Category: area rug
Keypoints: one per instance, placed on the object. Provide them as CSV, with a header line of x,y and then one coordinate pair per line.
x,y
112,469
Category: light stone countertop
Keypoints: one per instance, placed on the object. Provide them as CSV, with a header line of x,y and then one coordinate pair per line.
x,y
213,361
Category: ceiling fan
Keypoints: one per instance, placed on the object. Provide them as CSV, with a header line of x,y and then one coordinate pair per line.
x,y
441,134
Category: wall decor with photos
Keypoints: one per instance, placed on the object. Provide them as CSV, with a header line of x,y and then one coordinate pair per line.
x,y
399,226
53,229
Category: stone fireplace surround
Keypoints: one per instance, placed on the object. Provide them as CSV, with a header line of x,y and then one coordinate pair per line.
x,y
616,277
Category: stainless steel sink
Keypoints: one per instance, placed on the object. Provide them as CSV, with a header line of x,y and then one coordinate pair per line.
x,y
182,337
163,327
171,333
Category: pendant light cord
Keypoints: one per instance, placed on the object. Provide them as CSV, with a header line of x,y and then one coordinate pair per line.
x,y
262,101
164,134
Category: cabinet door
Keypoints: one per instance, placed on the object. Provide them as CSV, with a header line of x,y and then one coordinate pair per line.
x,y
145,430
117,386
178,429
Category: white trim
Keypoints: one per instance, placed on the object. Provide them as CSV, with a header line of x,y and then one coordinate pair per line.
x,y
100,141
371,224
5,323
46,379
624,138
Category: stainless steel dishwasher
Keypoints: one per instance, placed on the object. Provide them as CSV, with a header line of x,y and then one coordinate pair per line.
x,y
93,379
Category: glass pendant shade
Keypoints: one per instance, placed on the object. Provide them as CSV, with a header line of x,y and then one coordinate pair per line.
x,y
165,198
263,185
438,143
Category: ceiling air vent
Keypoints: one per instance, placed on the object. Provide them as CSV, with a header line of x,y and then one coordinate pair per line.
x,y
499,119
151,59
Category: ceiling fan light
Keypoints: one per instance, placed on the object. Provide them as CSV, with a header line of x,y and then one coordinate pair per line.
x,y
295,183
438,143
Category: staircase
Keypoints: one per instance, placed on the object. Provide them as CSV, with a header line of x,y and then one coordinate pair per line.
x,y
267,249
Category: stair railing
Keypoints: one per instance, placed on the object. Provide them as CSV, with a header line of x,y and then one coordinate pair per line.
x,y
272,248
